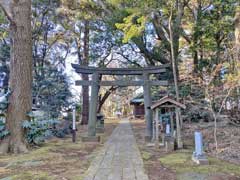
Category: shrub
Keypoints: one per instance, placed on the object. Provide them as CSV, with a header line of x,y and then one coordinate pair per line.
x,y
197,114
63,128
3,131
38,130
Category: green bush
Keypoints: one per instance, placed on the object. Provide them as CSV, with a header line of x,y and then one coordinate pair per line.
x,y
3,131
199,115
3,106
38,130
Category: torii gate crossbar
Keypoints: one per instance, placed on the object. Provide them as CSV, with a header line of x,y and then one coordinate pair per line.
x,y
95,84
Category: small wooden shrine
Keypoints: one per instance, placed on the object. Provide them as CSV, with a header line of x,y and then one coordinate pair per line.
x,y
167,122
138,106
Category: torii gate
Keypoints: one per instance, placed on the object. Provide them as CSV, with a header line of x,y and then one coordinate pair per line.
x,y
95,84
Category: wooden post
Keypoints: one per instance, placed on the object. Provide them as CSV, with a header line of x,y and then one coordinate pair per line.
x,y
172,123
157,128
74,124
179,138
147,105
93,105
181,119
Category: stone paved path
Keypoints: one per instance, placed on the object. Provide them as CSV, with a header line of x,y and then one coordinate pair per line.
x,y
119,159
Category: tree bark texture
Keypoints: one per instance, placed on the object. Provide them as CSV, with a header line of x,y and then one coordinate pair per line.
x,y
176,34
85,62
20,101
237,33
197,35
174,56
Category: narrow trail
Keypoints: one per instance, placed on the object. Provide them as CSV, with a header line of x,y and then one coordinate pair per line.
x,y
120,157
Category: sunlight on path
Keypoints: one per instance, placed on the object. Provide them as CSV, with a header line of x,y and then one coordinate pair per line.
x,y
120,157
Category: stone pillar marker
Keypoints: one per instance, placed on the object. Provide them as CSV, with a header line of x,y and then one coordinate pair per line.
x,y
198,155
168,131
198,144
100,124
147,106
74,124
169,139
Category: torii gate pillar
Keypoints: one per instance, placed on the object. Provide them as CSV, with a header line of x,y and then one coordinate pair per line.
x,y
147,107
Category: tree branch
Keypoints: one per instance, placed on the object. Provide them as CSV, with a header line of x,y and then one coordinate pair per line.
x,y
150,57
159,27
185,36
6,5
105,97
128,59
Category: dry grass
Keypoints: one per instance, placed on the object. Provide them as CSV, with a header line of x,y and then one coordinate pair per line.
x,y
181,162
56,159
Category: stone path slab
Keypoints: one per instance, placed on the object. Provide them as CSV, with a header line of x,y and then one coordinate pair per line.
x,y
119,159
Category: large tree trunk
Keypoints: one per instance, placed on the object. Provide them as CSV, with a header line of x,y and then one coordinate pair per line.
x,y
197,35
174,56
20,102
85,62
176,35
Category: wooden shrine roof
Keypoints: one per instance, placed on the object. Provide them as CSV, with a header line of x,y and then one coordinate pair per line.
x,y
167,99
